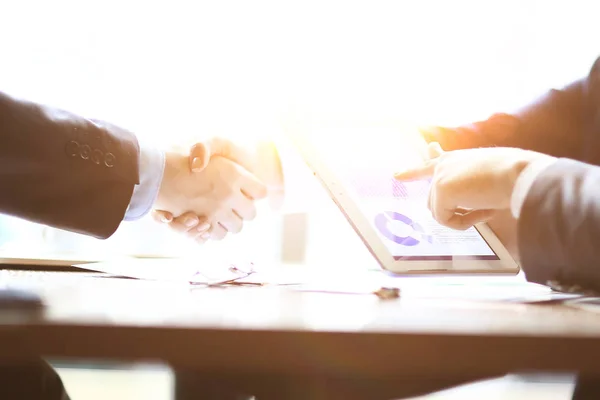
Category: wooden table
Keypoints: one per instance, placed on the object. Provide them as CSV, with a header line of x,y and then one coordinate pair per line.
x,y
276,332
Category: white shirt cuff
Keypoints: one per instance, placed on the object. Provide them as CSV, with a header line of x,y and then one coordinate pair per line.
x,y
152,166
524,182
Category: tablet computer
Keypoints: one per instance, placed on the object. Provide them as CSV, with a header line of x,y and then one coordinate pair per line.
x,y
356,166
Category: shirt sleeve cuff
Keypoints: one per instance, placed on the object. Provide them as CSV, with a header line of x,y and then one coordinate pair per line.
x,y
152,166
525,181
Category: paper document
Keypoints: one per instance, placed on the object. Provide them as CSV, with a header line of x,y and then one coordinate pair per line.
x,y
196,272
174,270
513,289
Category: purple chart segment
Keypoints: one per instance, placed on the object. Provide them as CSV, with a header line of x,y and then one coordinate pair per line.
x,y
383,220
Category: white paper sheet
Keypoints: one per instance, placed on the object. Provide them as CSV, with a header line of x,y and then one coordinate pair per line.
x,y
514,289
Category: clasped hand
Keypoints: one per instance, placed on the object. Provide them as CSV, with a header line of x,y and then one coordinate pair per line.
x,y
211,190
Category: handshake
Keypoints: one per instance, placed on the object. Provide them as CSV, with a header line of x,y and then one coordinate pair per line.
x,y
211,189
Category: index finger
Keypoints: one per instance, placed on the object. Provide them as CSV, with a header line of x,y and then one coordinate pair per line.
x,y
422,172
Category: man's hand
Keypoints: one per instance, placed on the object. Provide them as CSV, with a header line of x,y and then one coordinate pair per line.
x,y
470,186
223,193
194,227
202,152
262,160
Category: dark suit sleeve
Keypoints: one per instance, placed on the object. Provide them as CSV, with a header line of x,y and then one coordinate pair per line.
x,y
64,171
552,124
559,226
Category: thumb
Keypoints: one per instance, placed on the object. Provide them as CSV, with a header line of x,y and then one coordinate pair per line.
x,y
434,150
200,154
162,216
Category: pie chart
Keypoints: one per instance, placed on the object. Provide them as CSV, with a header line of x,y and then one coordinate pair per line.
x,y
385,219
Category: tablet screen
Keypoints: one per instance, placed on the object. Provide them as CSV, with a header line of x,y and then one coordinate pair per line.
x,y
397,211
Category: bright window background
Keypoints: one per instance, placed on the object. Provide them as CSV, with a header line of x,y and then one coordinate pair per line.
x,y
176,70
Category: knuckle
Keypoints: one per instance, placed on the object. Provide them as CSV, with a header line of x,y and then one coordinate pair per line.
x,y
219,233
462,227
444,221
178,227
442,185
458,224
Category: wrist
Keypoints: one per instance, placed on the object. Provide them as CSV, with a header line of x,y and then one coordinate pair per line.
x,y
151,170
529,171
176,164
518,167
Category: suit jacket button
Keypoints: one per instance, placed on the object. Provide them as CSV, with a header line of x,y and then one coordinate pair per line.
x,y
109,160
72,149
85,152
97,156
